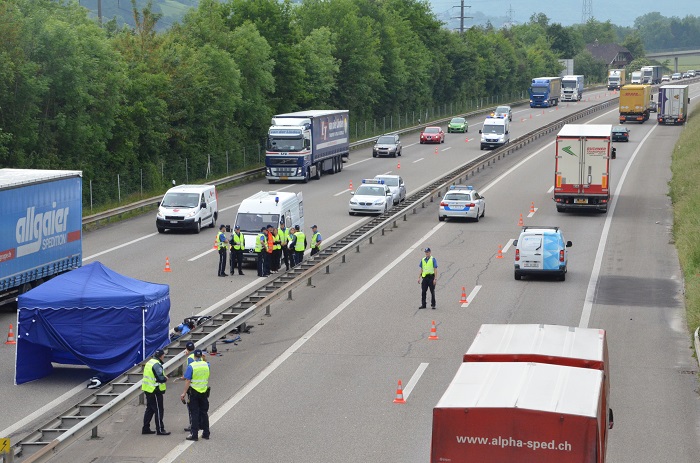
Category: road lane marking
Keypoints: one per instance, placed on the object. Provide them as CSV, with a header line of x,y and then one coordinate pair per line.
x,y
597,263
119,247
471,296
342,192
414,380
533,212
507,246
448,148
276,363
358,162
551,188
418,160
386,173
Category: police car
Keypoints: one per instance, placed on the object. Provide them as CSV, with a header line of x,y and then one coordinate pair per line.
x,y
541,251
372,197
396,185
462,201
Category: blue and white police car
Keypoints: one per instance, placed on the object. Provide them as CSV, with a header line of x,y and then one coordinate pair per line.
x,y
462,202
372,197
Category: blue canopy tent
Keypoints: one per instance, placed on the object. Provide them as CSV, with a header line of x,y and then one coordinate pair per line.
x,y
90,316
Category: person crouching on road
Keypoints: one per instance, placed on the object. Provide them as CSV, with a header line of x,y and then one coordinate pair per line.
x,y
197,388
153,386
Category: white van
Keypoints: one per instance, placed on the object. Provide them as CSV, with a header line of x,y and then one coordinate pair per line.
x,y
541,251
188,206
496,132
268,208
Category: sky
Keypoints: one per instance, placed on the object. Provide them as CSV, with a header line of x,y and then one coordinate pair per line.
x,y
564,12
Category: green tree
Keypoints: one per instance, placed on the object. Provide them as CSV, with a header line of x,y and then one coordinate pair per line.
x,y
321,69
633,43
594,70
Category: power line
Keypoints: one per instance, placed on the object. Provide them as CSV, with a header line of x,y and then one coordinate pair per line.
x,y
462,17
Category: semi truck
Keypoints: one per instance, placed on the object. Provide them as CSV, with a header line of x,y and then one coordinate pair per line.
x,y
582,167
673,104
636,77
571,88
41,227
635,103
306,144
651,75
616,79
545,92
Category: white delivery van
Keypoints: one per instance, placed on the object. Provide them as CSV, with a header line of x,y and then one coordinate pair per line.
x,y
541,251
495,132
188,206
268,208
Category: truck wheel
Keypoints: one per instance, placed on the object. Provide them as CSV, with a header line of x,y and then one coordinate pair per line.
x,y
319,171
340,165
307,176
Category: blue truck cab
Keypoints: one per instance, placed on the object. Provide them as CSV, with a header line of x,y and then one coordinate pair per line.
x,y
545,92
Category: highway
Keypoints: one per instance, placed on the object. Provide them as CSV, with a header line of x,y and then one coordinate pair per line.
x,y
315,381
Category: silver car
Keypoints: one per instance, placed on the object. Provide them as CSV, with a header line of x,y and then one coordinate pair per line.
x,y
372,197
462,202
396,185
503,111
387,145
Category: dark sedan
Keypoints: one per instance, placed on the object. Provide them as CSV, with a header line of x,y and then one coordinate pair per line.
x,y
620,133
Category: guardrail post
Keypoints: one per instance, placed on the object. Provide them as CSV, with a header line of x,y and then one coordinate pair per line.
x,y
328,269
343,260
370,240
357,249
142,399
405,218
93,434
395,224
308,282
289,295
267,311
382,234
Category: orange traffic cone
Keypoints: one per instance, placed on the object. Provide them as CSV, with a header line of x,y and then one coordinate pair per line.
x,y
500,252
399,395
436,150
520,222
398,166
433,333
466,140
216,246
463,300
532,206
167,265
530,115
10,336
350,185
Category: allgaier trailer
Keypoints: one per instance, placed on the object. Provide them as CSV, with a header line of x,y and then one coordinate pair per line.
x,y
306,144
673,104
582,167
524,412
41,226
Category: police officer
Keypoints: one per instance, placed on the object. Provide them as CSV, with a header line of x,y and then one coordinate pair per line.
x,y
284,242
427,278
269,245
276,250
299,246
291,245
153,386
189,352
260,242
197,388
315,240
237,243
221,244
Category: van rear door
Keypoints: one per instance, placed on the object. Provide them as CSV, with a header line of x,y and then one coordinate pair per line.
x,y
531,252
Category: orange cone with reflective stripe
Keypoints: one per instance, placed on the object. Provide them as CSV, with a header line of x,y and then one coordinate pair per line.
x,y
398,166
433,333
10,336
399,395
500,252
532,206
520,222
436,150
463,300
167,265
350,185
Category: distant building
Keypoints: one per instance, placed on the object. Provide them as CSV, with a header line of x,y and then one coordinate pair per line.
x,y
613,55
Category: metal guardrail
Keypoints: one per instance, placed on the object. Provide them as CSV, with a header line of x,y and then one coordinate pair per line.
x,y
68,426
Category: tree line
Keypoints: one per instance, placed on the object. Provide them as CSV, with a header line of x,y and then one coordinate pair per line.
x,y
145,106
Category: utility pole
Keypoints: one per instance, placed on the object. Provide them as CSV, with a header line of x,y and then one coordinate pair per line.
x,y
587,12
510,15
462,17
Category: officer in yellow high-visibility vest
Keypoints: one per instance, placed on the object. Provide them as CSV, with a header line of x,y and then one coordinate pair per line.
x,y
284,241
197,388
260,243
300,245
315,240
276,250
153,386
427,278
237,243
221,245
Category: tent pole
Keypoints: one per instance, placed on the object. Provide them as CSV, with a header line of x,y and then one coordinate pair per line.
x,y
143,333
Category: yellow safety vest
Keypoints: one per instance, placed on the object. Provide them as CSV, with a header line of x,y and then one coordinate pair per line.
x,y
283,233
238,241
200,376
276,241
258,242
428,267
149,383
220,241
301,241
314,239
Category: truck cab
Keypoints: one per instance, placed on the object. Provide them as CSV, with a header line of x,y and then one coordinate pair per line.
x,y
495,133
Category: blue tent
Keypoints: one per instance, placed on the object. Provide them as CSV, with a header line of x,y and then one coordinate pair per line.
x,y
90,316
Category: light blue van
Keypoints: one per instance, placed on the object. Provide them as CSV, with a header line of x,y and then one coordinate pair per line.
x,y
541,251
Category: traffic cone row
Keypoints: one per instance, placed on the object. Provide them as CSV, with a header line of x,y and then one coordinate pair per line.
x,y
463,300
520,221
399,395
433,333
11,336
167,265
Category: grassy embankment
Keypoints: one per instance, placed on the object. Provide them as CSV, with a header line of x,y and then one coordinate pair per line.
x,y
685,194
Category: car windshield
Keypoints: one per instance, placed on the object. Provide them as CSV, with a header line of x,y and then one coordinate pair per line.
x,y
386,140
501,110
498,129
180,200
458,120
370,190
390,181
457,197
432,130
252,223
619,128
530,243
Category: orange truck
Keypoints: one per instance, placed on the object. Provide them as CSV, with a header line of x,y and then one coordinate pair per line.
x,y
527,393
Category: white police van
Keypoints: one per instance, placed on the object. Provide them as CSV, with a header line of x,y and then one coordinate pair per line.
x,y
496,132
189,207
541,251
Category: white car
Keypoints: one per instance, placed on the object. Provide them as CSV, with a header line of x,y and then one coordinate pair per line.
x,y
541,251
676,76
372,197
665,78
396,185
462,202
